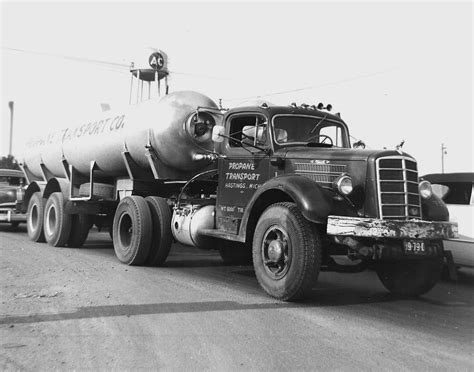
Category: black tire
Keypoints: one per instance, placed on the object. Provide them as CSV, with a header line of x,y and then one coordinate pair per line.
x,y
162,235
132,230
35,218
57,224
410,277
101,190
80,226
286,252
233,253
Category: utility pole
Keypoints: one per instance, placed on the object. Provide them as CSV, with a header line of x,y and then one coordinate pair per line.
x,y
10,144
443,152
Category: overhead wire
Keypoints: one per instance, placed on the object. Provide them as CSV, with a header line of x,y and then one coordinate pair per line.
x,y
119,67
310,87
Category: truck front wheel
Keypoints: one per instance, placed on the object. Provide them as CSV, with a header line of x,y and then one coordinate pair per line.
x,y
410,277
132,230
35,218
286,252
57,224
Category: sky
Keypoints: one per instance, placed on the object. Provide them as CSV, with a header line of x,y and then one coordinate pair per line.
x,y
395,71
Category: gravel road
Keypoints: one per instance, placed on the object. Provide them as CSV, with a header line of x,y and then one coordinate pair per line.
x,y
64,308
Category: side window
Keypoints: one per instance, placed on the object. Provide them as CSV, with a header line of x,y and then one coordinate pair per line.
x,y
334,132
248,130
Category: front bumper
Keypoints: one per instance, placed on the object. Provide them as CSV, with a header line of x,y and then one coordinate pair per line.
x,y
12,216
391,229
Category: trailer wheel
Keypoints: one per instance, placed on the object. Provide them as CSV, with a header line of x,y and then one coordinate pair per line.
x,y
410,277
132,230
35,218
162,235
233,253
57,224
286,252
80,226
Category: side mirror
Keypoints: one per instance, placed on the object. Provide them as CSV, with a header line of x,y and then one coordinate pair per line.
x,y
359,145
218,133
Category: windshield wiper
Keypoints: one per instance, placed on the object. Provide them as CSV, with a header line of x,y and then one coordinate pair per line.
x,y
317,124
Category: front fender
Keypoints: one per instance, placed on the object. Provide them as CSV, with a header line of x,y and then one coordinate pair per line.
x,y
314,202
434,209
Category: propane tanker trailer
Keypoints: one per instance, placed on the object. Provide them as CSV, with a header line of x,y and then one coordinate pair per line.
x,y
279,186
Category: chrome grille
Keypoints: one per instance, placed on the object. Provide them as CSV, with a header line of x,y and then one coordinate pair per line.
x,y
321,173
397,183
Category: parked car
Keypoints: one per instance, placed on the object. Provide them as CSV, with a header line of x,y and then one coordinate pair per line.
x,y
456,190
12,190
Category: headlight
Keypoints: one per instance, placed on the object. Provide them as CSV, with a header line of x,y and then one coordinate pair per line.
x,y
425,189
343,184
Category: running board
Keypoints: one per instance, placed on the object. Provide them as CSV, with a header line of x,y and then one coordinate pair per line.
x,y
221,234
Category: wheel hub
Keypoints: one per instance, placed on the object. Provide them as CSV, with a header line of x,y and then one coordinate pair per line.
x,y
275,251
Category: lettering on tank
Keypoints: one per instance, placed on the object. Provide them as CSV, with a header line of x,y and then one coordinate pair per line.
x,y
109,125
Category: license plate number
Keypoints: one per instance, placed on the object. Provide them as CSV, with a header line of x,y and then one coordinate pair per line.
x,y
414,247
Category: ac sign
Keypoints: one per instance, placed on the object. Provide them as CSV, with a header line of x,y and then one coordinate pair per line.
x,y
156,61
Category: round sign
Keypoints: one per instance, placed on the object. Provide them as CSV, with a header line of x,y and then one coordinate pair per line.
x,y
156,61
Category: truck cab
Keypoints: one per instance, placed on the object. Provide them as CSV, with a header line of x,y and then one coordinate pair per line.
x,y
258,140
290,185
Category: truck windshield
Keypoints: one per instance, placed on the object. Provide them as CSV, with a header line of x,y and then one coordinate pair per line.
x,y
317,130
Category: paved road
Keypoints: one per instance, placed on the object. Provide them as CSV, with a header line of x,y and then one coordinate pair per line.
x,y
65,308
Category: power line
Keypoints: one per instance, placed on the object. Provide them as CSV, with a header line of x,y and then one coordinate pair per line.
x,y
337,82
72,58
119,66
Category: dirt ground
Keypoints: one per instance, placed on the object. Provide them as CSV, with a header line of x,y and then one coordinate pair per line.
x,y
64,309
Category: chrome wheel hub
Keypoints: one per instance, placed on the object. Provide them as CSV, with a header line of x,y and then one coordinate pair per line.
x,y
276,252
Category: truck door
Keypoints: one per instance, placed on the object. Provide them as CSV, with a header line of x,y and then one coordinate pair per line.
x,y
244,169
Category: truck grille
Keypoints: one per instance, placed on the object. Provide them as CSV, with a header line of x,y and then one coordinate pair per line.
x,y
397,182
321,173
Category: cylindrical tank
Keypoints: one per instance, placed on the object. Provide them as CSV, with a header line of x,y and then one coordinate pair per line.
x,y
169,125
187,223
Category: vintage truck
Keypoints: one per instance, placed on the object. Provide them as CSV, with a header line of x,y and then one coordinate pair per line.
x,y
12,189
276,185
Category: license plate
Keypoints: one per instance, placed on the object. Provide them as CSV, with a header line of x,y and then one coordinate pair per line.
x,y
414,247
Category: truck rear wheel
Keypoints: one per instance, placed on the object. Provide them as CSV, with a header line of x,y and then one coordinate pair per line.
x,y
410,277
162,236
286,252
35,218
132,230
80,226
57,224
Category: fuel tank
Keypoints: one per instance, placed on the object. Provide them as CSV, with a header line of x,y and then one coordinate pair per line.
x,y
169,126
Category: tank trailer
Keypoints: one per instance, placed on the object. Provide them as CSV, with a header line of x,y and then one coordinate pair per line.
x,y
279,186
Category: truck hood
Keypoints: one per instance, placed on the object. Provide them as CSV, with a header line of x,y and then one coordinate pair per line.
x,y
322,164
336,154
